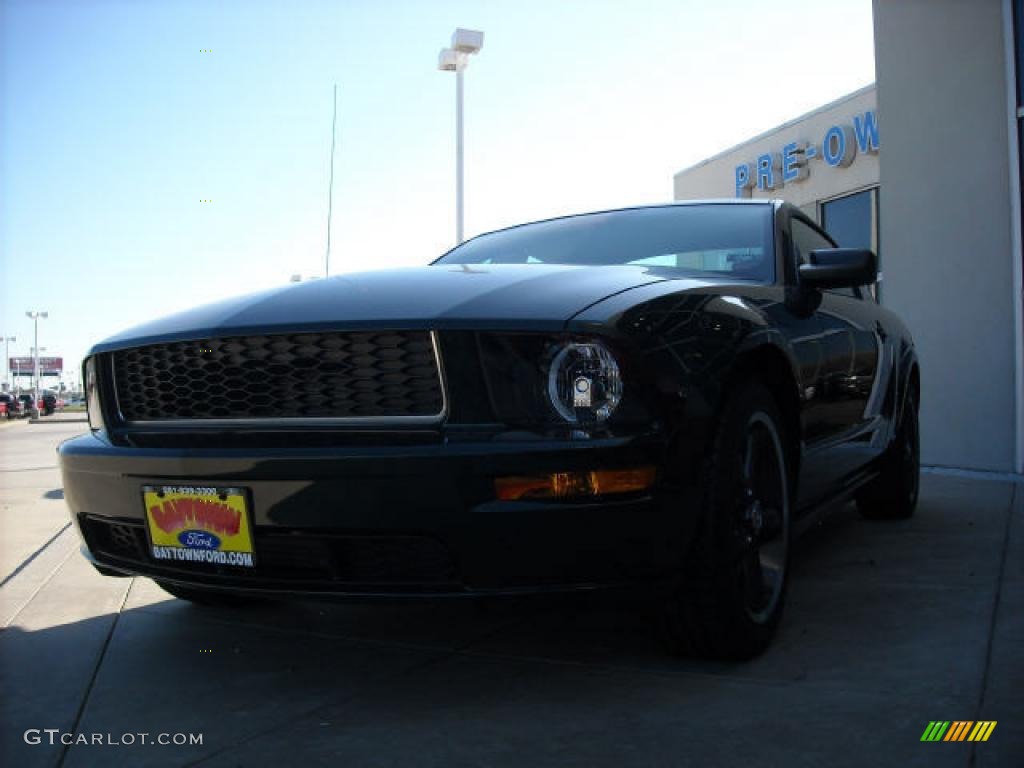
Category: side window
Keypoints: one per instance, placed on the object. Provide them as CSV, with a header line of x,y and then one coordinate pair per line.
x,y
805,240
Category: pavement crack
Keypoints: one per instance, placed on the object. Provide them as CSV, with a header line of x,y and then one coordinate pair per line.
x,y
994,619
95,673
38,589
34,555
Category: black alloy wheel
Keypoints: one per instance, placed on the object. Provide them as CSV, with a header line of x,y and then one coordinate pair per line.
x,y
730,595
763,520
893,494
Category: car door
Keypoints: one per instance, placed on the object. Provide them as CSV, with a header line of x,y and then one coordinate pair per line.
x,y
841,408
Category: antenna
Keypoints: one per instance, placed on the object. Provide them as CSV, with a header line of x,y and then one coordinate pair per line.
x,y
330,186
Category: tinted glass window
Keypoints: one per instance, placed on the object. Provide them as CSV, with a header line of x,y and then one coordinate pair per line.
x,y
849,220
735,240
1018,37
852,221
805,240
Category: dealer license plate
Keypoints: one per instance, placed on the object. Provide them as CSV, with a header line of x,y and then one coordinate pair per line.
x,y
190,524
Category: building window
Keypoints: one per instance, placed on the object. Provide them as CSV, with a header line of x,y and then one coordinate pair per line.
x,y
852,221
1018,41
806,239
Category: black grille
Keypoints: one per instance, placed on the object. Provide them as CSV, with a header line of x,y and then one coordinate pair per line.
x,y
355,559
285,555
372,374
125,542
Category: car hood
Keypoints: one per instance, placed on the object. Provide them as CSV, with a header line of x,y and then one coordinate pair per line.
x,y
539,297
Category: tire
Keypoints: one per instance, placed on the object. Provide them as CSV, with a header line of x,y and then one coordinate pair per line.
x,y
207,597
893,494
729,599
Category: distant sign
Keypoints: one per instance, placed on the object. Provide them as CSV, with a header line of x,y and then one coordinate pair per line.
x,y
25,366
838,148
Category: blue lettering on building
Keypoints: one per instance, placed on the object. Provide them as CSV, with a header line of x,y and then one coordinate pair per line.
x,y
743,180
766,165
794,162
866,128
838,148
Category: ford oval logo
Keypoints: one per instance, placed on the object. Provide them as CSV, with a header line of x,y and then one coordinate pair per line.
x,y
198,540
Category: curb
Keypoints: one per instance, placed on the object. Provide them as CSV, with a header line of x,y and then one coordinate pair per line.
x,y
46,420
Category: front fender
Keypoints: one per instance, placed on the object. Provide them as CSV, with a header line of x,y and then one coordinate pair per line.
x,y
690,344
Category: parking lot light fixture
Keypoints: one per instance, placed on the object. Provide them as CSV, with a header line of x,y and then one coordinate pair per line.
x,y
34,316
465,43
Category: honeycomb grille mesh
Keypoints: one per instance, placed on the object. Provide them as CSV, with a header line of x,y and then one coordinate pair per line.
x,y
283,376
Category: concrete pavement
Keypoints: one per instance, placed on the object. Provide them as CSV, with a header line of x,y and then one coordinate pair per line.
x,y
888,626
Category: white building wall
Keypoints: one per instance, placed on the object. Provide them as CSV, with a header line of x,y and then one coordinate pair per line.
x,y
946,220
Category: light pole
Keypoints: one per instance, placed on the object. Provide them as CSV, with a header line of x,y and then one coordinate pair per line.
x,y
34,315
38,352
330,186
7,358
465,42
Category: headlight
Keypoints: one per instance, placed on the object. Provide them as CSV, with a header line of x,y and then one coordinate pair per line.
x,y
584,383
92,395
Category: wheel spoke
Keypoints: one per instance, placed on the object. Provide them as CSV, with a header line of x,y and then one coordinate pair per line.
x,y
763,538
772,522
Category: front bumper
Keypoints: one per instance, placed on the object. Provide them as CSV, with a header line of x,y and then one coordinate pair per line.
x,y
407,520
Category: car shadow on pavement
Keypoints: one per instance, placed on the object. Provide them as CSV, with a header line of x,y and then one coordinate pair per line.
x,y
885,628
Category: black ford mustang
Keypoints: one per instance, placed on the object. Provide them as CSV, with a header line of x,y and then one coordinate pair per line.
x,y
660,396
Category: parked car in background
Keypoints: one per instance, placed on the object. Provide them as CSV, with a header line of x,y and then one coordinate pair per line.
x,y
28,405
660,397
48,403
13,407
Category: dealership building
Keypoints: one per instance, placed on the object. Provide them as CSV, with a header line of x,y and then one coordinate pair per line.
x,y
924,167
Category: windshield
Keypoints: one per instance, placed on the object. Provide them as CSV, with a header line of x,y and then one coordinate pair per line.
x,y
734,240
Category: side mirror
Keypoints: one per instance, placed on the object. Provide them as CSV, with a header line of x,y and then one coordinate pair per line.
x,y
839,268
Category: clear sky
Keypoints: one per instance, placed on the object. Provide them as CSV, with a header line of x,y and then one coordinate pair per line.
x,y
115,124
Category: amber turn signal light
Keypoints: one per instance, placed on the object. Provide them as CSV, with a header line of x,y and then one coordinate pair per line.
x,y
565,485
